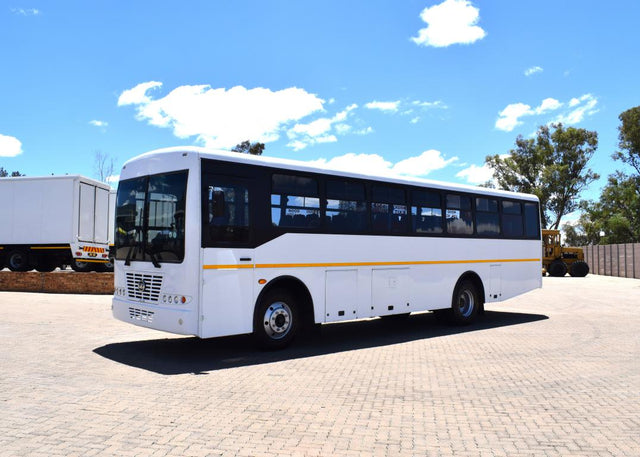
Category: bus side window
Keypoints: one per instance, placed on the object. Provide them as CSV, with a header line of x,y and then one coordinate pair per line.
x,y
487,218
459,215
389,214
346,207
228,213
532,222
512,219
426,210
294,201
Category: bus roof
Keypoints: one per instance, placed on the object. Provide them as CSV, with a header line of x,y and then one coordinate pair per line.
x,y
297,165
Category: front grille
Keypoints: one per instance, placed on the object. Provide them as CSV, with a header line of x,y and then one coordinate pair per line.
x,y
141,315
144,287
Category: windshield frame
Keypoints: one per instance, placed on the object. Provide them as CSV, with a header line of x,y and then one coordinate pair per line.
x,y
150,218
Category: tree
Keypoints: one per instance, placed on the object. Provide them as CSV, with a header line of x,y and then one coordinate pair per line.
x,y
616,213
552,166
4,173
573,236
629,136
246,147
103,165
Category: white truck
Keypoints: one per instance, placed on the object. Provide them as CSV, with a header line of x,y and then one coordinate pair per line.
x,y
50,221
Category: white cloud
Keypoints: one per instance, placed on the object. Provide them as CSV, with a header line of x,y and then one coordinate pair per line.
x,y
406,108
533,70
450,22
548,104
319,131
581,107
220,117
97,123
374,164
423,164
476,174
390,107
510,117
10,146
138,95
26,11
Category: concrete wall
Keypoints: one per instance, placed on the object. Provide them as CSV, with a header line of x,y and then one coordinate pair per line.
x,y
622,260
58,282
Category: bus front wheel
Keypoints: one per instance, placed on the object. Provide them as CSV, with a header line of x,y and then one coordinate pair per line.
x,y
275,320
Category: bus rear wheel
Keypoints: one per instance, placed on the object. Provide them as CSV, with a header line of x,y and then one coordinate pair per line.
x,y
466,303
275,320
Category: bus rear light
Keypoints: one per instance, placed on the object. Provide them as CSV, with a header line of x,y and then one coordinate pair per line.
x,y
78,254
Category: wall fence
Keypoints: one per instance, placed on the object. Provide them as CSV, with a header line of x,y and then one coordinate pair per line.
x,y
622,260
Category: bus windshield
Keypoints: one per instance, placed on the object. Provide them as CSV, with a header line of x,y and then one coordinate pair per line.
x,y
150,217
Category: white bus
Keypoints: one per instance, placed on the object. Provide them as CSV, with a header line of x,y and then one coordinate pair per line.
x,y
213,243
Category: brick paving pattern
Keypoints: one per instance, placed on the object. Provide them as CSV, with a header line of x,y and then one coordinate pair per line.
x,y
553,373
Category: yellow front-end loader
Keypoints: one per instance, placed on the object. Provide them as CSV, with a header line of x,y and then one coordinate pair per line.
x,y
558,260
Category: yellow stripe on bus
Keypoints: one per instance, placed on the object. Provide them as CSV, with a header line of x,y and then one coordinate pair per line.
x,y
48,247
362,264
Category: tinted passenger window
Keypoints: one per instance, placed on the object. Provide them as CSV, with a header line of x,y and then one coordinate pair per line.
x,y
226,212
294,201
532,222
487,219
389,212
346,206
512,219
458,214
426,210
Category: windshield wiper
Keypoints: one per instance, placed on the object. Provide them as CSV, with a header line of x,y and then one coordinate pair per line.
x,y
132,248
153,257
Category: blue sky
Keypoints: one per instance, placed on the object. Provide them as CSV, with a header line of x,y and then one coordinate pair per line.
x,y
425,88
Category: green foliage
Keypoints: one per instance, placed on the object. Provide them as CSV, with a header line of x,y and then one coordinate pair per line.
x,y
246,147
616,213
4,173
552,166
629,136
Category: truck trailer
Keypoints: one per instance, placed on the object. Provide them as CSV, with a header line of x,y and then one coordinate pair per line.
x,y
51,221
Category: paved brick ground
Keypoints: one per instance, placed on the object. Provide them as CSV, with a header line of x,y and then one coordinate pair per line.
x,y
553,373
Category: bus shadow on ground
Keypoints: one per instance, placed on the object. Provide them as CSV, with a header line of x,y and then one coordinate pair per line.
x,y
198,356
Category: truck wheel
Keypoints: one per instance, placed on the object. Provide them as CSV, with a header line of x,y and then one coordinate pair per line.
x,y
45,266
579,269
18,260
275,320
557,268
80,266
466,303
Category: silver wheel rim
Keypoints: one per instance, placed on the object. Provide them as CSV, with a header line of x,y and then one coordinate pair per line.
x,y
277,320
466,303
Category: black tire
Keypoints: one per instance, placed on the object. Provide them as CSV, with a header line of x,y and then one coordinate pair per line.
x,y
106,267
80,266
466,303
558,268
276,320
45,265
579,269
18,260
